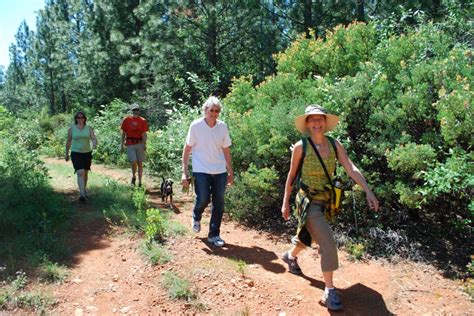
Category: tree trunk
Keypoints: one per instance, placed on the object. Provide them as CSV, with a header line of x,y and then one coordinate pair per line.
x,y
308,17
360,10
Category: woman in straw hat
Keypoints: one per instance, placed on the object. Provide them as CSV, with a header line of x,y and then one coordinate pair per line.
x,y
315,123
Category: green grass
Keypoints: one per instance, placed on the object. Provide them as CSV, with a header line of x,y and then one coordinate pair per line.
x,y
52,272
355,250
155,252
178,288
13,295
174,228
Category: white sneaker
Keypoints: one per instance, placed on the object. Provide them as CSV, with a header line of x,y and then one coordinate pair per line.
x,y
216,241
196,226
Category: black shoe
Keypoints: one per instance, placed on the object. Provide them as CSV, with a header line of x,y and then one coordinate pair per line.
x,y
82,199
293,266
133,180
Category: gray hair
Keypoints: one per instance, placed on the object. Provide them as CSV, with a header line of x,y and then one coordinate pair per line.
x,y
210,102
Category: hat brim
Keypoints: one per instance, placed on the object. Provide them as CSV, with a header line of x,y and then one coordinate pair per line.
x,y
331,122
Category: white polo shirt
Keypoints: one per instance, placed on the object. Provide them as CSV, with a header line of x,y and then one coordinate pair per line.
x,y
207,144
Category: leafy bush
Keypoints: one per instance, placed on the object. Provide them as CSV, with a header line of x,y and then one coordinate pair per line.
x,y
107,130
155,225
165,147
252,197
405,104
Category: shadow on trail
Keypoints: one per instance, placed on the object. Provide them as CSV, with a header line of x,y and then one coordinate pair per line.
x,y
91,222
362,300
358,299
251,255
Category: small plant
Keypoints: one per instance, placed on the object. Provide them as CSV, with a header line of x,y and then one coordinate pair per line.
x,y
20,281
52,272
140,199
13,296
178,288
176,229
241,265
34,300
155,253
356,250
155,225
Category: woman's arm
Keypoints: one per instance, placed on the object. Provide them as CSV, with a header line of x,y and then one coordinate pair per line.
x,y
228,163
356,175
68,143
296,156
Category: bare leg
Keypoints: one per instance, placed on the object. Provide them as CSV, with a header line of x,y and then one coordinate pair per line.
x,y
86,177
140,172
295,250
80,181
134,171
328,279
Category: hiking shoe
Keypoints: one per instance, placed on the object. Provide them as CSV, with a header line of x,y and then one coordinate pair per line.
x,y
216,241
293,266
133,180
332,300
82,198
196,226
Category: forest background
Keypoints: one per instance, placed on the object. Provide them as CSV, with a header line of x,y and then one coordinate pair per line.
x,y
398,73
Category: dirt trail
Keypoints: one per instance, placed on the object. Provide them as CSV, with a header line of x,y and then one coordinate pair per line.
x,y
109,277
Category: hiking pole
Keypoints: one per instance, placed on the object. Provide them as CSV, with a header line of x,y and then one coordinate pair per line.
x,y
354,210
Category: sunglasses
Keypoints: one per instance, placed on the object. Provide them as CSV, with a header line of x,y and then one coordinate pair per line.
x,y
135,110
214,110
80,117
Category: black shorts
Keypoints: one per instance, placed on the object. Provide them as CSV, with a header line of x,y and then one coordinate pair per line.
x,y
81,160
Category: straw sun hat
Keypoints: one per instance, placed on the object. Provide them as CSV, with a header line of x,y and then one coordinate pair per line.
x,y
300,121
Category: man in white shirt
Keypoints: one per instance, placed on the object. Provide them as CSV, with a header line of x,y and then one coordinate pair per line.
x,y
209,141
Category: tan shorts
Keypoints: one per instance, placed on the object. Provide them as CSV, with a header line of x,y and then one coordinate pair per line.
x,y
136,152
321,232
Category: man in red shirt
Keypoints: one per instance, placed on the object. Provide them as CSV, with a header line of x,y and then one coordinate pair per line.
x,y
134,130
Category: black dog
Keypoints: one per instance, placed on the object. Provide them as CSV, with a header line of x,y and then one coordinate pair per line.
x,y
167,190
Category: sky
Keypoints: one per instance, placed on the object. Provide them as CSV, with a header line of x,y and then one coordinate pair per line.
x,y
12,13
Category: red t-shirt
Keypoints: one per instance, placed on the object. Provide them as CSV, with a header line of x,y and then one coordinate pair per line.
x,y
134,127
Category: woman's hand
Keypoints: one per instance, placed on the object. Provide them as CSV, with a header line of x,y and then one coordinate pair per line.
x,y
230,179
372,201
285,210
185,180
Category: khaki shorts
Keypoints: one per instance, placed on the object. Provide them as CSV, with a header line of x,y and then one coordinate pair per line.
x,y
136,152
321,232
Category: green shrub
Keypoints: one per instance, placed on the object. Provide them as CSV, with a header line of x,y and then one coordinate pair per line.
x,y
165,146
107,130
405,104
155,225
253,195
